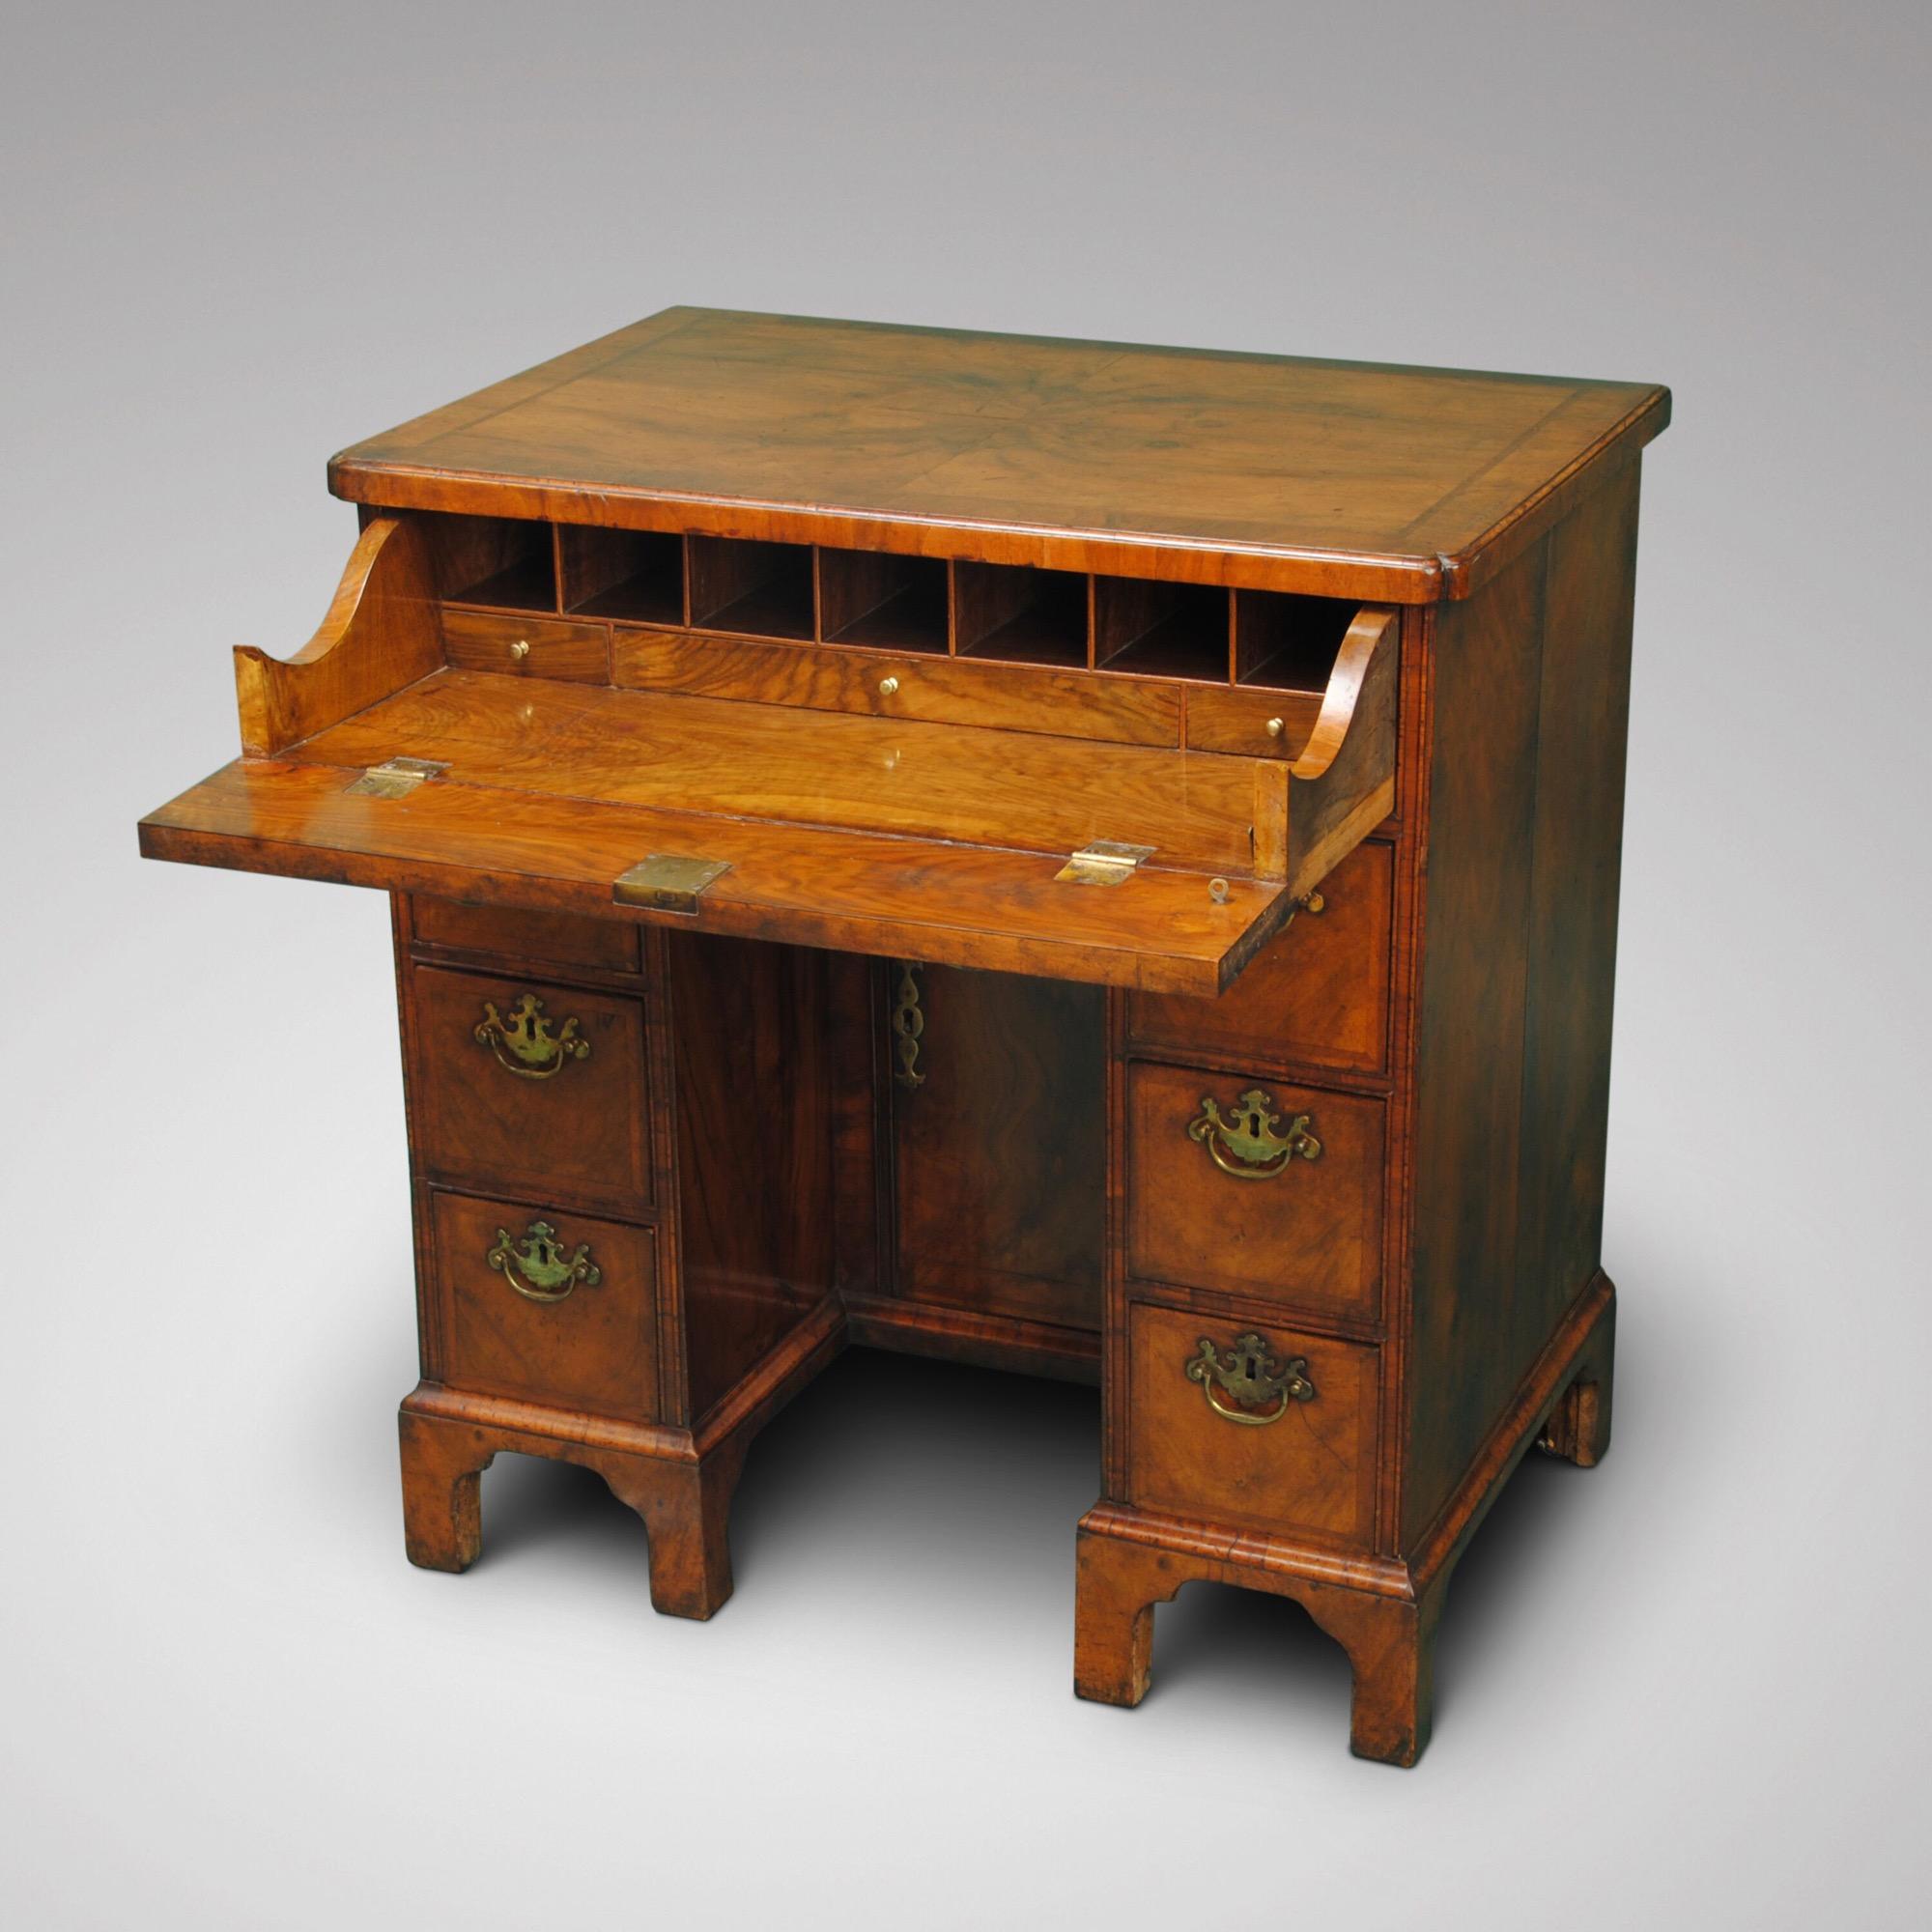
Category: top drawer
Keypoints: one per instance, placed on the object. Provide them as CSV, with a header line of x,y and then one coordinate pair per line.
x,y
505,932
1318,995
540,1089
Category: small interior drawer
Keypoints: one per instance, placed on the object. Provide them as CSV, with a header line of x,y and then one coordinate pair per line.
x,y
508,932
552,647
1300,1222
523,1084
544,1304
1317,996
1260,1427
936,690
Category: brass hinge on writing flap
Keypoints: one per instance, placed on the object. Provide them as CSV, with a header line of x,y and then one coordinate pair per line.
x,y
668,882
397,777
1104,863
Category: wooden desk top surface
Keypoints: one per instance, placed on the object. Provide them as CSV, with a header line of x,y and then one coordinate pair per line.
x,y
1342,478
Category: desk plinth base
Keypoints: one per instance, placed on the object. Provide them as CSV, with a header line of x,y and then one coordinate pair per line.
x,y
1383,1611
679,1480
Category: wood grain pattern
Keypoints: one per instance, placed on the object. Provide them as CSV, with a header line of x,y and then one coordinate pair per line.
x,y
998,1155
754,1149
1310,1238
704,755
952,691
597,1349
1583,713
1389,1634
897,898
505,932
1239,722
380,635
901,618
549,646
633,575
580,1134
1343,786
1468,1052
1090,456
1318,995
1371,634
1313,1472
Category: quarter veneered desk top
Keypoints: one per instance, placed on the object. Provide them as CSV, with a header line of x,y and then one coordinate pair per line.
x,y
1345,478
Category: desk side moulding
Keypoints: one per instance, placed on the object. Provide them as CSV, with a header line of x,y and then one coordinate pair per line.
x,y
1094,861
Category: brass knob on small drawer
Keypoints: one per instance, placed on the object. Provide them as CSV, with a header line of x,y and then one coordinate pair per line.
x,y
1276,727
524,1043
1250,1375
520,650
887,685
1247,1145
539,1268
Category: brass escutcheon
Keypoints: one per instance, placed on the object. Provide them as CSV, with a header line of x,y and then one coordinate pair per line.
x,y
538,1267
524,1043
1247,1146
908,1025
1252,1375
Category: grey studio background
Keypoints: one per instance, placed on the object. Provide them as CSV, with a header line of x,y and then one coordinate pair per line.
x,y
1690,1687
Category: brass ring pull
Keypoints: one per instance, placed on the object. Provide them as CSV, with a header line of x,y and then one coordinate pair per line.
x,y
1251,1375
1247,1146
524,1044
539,1268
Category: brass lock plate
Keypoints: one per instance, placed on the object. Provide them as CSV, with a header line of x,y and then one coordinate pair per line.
x,y
668,882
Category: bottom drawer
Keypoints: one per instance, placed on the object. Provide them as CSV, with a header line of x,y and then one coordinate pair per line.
x,y
1222,1426
550,1307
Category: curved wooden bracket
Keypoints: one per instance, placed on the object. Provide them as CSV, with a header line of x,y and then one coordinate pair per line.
x,y
380,634
1343,784
1373,623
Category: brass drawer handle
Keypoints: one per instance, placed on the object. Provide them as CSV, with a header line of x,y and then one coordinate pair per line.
x,y
1247,1146
1251,1375
539,1268
524,1043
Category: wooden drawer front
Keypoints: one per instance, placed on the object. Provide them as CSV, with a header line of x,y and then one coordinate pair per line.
x,y
937,690
1317,996
576,1122
1310,1468
592,1344
1305,1232
1236,720
552,647
563,938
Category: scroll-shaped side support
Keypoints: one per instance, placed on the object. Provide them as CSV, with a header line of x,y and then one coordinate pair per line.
x,y
1343,783
380,634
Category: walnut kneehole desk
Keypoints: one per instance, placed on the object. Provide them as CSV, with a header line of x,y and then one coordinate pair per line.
x,y
1133,833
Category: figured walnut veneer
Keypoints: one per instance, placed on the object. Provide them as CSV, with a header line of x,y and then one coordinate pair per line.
x,y
1291,1132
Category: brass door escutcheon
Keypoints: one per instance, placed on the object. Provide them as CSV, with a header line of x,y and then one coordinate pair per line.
x,y
524,1043
1252,1375
908,1026
1247,1146
539,1268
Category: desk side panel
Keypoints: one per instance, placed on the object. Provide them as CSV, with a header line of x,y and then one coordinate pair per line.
x,y
1512,1066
